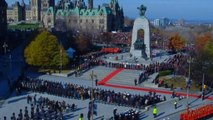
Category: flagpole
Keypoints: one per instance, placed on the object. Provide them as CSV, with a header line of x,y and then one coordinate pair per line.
x,y
187,87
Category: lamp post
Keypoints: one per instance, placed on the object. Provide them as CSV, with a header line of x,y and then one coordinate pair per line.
x,y
92,75
61,55
61,63
10,60
203,86
203,79
5,47
187,87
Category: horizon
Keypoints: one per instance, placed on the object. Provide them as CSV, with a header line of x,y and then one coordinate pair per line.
x,y
181,9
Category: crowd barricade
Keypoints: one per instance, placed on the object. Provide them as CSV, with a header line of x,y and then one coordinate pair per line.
x,y
111,50
199,113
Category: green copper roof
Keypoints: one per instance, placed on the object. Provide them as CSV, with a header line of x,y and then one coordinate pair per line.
x,y
80,12
84,12
50,10
60,12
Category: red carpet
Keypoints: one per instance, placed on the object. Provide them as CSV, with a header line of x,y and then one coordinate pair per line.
x,y
110,76
154,90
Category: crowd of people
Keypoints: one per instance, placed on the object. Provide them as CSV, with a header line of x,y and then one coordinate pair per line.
x,y
42,108
81,92
176,64
131,114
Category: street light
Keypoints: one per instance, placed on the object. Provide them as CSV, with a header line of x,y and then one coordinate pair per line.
x,y
5,47
203,69
10,59
187,87
203,87
61,64
92,75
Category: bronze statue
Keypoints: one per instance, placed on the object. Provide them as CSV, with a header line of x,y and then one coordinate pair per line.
x,y
142,10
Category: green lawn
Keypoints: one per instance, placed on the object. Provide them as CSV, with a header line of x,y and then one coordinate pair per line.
x,y
52,71
179,81
24,26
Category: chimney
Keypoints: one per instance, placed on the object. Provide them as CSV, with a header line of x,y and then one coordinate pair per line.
x,y
99,7
90,4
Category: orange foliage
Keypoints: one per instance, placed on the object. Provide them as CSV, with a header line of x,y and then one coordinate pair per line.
x,y
176,42
201,41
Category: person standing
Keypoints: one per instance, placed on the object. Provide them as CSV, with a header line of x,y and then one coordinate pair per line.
x,y
96,82
175,104
155,112
88,115
135,81
81,116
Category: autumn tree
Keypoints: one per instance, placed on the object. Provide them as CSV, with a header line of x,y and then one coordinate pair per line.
x,y
203,58
83,42
201,41
176,42
107,38
45,51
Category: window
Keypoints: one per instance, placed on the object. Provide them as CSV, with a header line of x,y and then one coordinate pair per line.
x,y
45,5
101,21
49,20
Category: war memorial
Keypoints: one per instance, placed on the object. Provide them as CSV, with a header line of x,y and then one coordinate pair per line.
x,y
119,86
140,49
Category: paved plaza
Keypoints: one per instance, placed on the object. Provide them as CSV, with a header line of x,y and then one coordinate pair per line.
x,y
124,78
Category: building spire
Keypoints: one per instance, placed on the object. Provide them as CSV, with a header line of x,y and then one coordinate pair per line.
x,y
90,4
23,3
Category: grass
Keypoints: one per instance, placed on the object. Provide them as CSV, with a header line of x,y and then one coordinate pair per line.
x,y
65,71
23,26
179,82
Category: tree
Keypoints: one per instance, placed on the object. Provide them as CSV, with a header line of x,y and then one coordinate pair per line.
x,y
201,41
45,51
176,42
107,37
203,58
82,42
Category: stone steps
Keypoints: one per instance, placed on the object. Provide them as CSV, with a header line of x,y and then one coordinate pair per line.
x,y
126,77
100,71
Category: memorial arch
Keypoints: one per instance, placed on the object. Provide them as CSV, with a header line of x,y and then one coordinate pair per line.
x,y
141,48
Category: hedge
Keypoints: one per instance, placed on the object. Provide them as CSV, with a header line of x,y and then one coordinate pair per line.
x,y
165,72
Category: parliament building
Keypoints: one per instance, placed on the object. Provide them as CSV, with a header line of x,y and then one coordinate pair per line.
x,y
76,15
3,20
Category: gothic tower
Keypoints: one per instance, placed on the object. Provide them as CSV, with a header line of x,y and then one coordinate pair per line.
x,y
3,20
45,4
90,4
36,10
39,7
23,10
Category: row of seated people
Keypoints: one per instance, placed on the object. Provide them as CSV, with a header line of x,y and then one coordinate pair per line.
x,y
82,92
43,108
131,114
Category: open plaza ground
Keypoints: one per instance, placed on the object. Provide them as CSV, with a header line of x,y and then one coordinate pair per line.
x,y
122,81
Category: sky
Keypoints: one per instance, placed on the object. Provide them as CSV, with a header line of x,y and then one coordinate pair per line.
x,y
173,9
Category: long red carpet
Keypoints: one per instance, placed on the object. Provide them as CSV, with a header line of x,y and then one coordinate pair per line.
x,y
117,71
110,76
154,90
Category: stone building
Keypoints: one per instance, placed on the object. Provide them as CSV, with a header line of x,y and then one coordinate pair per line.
x,y
39,7
16,12
28,13
3,20
76,15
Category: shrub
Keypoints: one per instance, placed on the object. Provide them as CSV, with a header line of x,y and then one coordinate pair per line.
x,y
164,73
